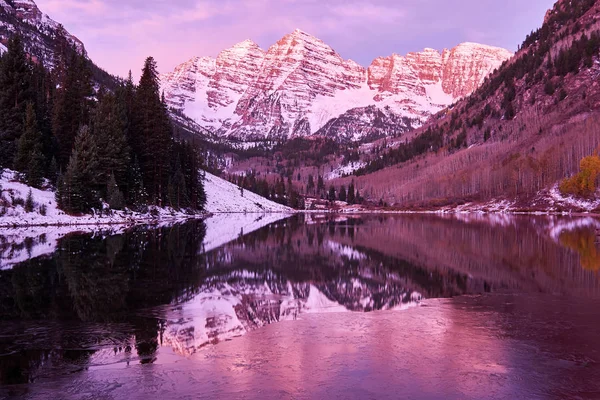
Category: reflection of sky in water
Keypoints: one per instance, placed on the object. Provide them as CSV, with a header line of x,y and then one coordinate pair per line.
x,y
178,298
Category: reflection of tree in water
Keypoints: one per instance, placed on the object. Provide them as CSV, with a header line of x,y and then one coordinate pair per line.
x,y
583,241
92,279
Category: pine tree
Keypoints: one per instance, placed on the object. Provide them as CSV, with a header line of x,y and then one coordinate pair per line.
x,y
201,194
44,89
351,193
35,169
29,158
151,133
79,187
15,94
137,194
320,185
53,171
342,196
29,203
178,197
73,104
113,150
60,194
114,196
331,195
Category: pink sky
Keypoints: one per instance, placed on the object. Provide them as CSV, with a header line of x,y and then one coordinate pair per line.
x,y
119,35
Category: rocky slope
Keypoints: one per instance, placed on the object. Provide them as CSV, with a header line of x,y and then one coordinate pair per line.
x,y
516,137
300,84
42,35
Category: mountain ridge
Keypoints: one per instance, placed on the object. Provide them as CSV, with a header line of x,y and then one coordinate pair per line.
x,y
520,134
299,84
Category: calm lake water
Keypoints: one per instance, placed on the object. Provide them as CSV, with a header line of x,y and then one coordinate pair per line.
x,y
307,307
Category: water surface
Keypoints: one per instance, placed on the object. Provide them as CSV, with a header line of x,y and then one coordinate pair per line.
x,y
305,307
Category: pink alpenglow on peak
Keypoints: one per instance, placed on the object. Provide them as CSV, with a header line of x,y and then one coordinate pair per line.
x,y
300,84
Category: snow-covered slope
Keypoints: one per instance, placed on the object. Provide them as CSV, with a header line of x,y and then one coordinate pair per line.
x,y
300,83
222,197
46,212
225,197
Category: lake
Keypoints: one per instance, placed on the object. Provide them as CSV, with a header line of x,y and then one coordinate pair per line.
x,y
304,307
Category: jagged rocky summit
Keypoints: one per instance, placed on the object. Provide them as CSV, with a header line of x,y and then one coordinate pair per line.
x,y
300,86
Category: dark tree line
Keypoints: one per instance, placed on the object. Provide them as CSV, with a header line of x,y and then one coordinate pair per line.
x,y
91,143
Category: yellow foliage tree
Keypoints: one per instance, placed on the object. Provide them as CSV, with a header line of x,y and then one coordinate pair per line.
x,y
584,183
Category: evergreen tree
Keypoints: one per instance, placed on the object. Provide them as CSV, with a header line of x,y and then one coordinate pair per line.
x,y
137,194
35,169
79,186
114,196
342,196
194,182
29,158
44,89
29,203
151,133
109,126
320,185
53,171
351,193
15,94
72,105
331,195
178,197
60,194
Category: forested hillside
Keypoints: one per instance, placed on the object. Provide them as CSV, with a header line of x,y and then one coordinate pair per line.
x,y
523,131
92,143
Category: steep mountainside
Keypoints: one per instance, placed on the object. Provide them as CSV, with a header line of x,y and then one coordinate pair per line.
x,y
526,128
41,33
300,84
44,39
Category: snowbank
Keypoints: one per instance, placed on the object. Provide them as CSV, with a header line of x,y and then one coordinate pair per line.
x,y
12,210
222,197
225,197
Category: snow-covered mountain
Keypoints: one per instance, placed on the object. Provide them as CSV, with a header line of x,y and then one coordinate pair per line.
x,y
231,306
42,35
300,84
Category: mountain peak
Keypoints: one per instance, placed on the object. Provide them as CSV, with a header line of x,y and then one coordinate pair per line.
x,y
304,36
248,43
300,84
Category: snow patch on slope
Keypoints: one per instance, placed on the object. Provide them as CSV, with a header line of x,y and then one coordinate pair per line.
x,y
344,170
225,197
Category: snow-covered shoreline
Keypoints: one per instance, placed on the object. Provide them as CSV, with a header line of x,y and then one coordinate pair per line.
x,y
222,197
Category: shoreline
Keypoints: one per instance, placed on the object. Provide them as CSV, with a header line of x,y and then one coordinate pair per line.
x,y
132,223
207,215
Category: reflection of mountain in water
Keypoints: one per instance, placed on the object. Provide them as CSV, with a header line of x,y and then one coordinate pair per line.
x,y
238,304
120,298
